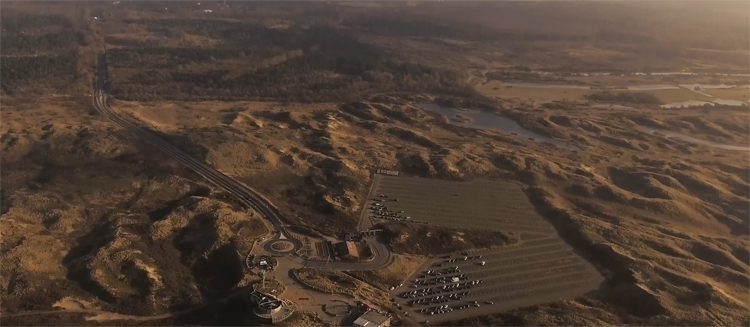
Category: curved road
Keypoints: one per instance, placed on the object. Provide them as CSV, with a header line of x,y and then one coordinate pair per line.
x,y
247,196
242,192
382,257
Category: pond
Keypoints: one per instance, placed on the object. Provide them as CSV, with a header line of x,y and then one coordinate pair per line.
x,y
490,121
690,139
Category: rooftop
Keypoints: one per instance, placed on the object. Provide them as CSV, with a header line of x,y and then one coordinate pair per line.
x,y
371,318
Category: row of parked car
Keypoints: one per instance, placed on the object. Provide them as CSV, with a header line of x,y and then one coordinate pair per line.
x,y
447,308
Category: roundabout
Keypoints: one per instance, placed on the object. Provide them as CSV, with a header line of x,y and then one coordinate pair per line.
x,y
281,245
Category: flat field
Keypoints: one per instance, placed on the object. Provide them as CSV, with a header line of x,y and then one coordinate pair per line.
x,y
540,269
677,95
496,89
739,94
491,205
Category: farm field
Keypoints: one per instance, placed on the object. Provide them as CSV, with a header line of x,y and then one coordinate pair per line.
x,y
541,268
498,89
739,94
496,205
677,95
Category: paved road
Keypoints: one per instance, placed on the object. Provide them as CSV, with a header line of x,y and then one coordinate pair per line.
x,y
382,258
246,195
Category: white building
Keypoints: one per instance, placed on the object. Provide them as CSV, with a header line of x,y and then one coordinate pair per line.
x,y
372,318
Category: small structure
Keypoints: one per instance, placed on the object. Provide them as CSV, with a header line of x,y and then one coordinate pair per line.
x,y
269,308
372,318
387,172
347,248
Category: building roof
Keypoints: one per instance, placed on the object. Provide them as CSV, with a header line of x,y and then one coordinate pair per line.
x,y
347,248
371,318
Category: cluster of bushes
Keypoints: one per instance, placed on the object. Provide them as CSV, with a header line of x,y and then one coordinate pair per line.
x,y
29,43
18,22
54,71
331,66
38,51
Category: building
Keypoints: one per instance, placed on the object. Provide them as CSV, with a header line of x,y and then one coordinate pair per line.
x,y
343,249
269,308
372,318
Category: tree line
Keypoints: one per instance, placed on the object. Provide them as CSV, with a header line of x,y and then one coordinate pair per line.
x,y
29,43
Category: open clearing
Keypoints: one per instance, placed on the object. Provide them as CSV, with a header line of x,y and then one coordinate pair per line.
x,y
678,95
739,93
538,270
497,89
500,90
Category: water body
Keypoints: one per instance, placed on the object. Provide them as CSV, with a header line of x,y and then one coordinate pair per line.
x,y
490,121
690,139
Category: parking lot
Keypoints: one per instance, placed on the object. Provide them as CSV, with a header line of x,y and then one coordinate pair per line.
x,y
541,268
461,286
496,205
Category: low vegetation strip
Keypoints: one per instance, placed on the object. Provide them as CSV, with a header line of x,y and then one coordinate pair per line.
x,y
326,281
336,282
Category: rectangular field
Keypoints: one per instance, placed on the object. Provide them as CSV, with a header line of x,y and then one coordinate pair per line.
x,y
494,205
739,94
541,268
496,89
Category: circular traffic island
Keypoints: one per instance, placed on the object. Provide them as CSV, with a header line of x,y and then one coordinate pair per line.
x,y
282,246
279,247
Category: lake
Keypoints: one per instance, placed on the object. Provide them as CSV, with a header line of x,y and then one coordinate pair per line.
x,y
491,121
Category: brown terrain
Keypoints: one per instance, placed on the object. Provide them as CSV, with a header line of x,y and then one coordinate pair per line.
x,y
97,221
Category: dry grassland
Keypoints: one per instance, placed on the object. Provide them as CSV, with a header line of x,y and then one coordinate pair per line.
x,y
739,94
403,266
677,95
496,89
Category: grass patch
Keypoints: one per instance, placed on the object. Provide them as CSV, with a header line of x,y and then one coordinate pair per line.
x,y
401,268
739,94
677,95
496,89
336,282
625,97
